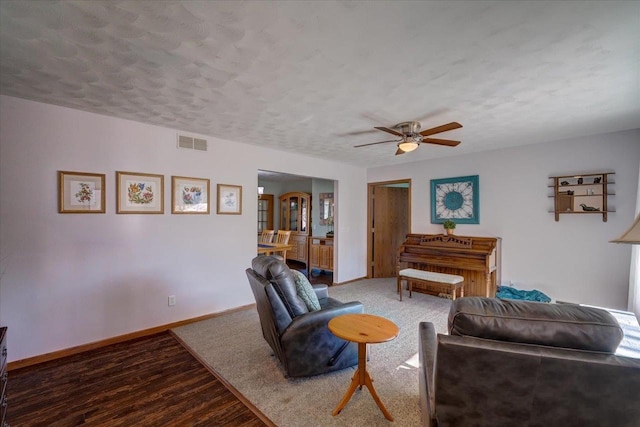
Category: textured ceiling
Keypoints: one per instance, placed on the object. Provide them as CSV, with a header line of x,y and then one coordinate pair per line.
x,y
308,76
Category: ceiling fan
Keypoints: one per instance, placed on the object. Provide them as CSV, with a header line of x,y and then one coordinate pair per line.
x,y
411,136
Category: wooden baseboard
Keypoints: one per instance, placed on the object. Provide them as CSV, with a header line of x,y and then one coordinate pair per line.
x,y
349,281
30,361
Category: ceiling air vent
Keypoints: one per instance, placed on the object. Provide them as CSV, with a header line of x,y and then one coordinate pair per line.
x,y
192,143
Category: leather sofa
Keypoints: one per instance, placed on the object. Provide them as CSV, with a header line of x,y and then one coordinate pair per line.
x,y
517,363
300,339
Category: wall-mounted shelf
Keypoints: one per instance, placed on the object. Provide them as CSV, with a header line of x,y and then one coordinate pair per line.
x,y
582,194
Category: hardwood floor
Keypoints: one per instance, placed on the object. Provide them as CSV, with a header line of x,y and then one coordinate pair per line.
x,y
150,381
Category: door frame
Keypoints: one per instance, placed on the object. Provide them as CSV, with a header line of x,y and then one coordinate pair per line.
x,y
370,192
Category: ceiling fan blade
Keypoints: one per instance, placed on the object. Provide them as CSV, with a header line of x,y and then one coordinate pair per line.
x,y
442,128
447,142
374,143
399,152
391,131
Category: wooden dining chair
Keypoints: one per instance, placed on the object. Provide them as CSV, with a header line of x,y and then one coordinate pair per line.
x,y
266,236
282,237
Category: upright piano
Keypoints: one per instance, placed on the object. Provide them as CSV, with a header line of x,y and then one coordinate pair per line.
x,y
477,259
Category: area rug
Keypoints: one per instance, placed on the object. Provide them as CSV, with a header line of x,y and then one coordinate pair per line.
x,y
233,346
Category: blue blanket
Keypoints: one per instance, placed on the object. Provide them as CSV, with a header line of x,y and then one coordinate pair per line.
x,y
506,292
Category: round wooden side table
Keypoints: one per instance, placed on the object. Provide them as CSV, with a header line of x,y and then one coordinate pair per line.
x,y
363,329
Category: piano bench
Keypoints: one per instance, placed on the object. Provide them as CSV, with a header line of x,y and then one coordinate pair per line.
x,y
430,278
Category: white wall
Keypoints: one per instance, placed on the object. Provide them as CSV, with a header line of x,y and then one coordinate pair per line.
x,y
570,260
71,279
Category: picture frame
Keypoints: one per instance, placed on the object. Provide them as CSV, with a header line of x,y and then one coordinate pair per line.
x,y
457,199
189,195
229,199
139,193
81,192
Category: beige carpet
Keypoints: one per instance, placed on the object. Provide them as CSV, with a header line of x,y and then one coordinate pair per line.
x,y
233,345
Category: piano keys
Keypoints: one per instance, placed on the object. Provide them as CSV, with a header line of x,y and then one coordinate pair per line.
x,y
477,259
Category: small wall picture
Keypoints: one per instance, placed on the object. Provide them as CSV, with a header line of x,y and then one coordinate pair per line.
x,y
189,195
139,193
229,199
81,192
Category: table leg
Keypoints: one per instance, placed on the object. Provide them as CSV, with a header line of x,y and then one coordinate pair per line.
x,y
361,377
348,394
369,384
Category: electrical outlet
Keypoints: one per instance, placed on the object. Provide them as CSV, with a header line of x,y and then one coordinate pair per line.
x,y
172,300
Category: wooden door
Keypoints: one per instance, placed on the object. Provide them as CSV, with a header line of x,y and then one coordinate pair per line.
x,y
326,257
314,256
390,224
265,212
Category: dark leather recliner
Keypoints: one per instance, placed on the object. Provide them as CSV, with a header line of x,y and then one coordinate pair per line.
x,y
300,339
517,363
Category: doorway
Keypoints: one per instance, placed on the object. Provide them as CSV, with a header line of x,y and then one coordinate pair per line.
x,y
316,214
389,221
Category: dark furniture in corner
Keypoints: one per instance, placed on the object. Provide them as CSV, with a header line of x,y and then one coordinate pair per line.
x,y
516,363
3,376
300,339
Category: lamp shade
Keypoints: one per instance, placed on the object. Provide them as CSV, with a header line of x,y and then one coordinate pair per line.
x,y
632,235
408,146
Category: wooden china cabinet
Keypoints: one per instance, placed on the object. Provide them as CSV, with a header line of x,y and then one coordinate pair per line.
x,y
295,215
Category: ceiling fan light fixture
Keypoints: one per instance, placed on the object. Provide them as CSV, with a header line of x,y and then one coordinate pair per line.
x,y
411,137
408,146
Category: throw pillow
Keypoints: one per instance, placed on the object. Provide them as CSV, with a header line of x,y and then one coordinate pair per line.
x,y
305,291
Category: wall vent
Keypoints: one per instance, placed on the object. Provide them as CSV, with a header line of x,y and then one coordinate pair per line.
x,y
191,143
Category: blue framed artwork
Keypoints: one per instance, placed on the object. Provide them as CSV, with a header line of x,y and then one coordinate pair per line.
x,y
457,199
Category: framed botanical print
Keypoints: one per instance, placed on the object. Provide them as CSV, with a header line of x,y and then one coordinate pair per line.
x,y
139,193
81,192
457,199
229,199
189,195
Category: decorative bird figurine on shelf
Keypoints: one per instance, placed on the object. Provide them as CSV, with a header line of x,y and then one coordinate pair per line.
x,y
588,208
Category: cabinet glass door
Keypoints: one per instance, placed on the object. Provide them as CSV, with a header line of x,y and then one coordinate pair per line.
x,y
303,216
283,215
293,213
